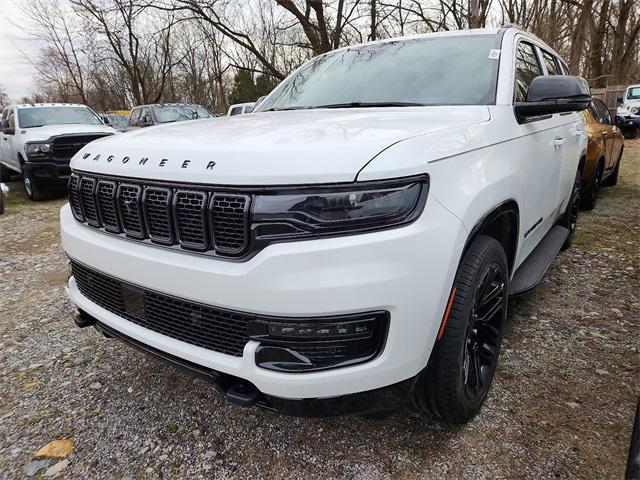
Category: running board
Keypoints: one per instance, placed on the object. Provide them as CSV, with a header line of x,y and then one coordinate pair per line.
x,y
534,267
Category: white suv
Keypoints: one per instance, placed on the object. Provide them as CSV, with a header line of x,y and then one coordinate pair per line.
x,y
37,140
350,247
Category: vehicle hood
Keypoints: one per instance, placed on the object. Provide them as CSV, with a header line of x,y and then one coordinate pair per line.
x,y
44,133
269,148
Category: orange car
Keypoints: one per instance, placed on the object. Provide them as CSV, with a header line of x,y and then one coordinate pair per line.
x,y
604,152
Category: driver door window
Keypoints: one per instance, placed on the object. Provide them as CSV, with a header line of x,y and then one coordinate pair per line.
x,y
527,68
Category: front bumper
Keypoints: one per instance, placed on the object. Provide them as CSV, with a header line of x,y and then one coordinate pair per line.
x,y
49,173
406,271
627,122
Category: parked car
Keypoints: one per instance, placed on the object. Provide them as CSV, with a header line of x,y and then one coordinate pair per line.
x,y
4,193
118,122
351,246
160,113
628,114
39,139
604,152
240,108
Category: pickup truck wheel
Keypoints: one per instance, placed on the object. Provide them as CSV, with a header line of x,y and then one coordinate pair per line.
x,y
33,189
456,381
5,173
590,194
570,218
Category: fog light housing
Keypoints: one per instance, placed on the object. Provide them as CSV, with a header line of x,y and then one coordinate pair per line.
x,y
311,344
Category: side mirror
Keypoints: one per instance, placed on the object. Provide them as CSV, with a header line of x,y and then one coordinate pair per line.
x,y
620,99
6,129
554,94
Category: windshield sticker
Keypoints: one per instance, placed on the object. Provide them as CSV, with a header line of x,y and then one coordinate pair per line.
x,y
494,54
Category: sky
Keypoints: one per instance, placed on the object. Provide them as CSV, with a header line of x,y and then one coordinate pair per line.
x,y
16,73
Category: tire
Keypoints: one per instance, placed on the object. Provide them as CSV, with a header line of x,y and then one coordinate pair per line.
x,y
5,173
589,196
569,219
612,179
451,387
34,190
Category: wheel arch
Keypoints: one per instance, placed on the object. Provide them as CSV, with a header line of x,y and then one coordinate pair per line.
x,y
502,222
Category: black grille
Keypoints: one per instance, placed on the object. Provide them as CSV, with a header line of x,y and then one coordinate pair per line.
x,y
205,326
66,147
74,197
228,218
130,208
191,218
195,219
106,200
88,199
157,210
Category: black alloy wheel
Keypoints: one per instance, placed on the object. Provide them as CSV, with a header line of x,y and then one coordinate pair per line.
x,y
570,218
590,197
484,332
455,383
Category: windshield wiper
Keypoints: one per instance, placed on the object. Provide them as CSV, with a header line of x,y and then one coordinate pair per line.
x,y
370,104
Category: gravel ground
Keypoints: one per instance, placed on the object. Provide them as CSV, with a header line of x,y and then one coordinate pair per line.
x,y
561,406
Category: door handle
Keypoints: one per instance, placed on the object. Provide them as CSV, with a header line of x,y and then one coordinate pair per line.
x,y
558,142
578,133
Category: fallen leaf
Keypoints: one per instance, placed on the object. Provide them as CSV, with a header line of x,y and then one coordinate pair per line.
x,y
56,449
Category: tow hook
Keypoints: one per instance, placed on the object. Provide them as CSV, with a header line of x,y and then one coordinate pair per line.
x,y
84,320
243,394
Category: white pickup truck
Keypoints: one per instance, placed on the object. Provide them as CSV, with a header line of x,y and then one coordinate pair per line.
x,y
38,140
351,246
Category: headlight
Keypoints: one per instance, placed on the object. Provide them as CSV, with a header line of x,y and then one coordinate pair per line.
x,y
338,210
37,148
634,110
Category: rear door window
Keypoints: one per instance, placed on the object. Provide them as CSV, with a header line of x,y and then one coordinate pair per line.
x,y
236,111
527,68
604,116
551,63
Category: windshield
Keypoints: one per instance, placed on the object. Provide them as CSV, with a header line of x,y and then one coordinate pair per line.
x,y
117,121
41,116
633,93
455,70
176,113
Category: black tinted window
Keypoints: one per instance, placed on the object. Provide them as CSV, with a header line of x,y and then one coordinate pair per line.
x,y
603,115
550,63
527,68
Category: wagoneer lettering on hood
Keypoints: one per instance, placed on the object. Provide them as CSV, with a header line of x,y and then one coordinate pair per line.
x,y
269,148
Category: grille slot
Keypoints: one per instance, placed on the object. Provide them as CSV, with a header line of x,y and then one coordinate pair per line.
x,y
157,212
196,219
88,199
191,219
130,210
229,222
107,207
74,197
194,323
